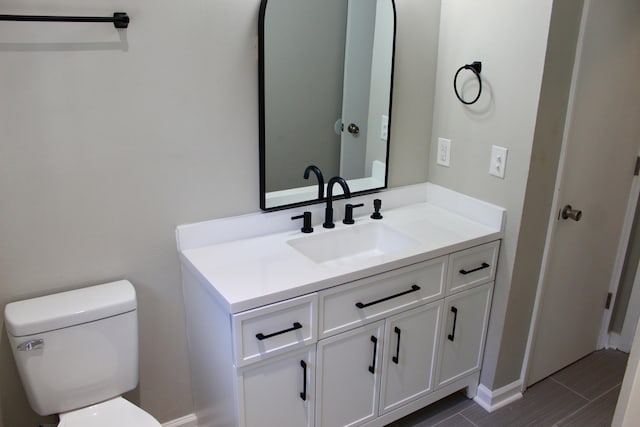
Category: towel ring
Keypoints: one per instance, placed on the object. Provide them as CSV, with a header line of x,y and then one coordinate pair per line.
x,y
475,67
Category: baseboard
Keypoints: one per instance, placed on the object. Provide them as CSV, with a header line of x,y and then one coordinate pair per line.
x,y
187,421
492,400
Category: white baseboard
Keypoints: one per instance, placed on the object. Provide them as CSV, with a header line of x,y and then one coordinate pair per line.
x,y
496,399
187,421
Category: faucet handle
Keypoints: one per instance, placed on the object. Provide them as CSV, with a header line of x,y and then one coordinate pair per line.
x,y
348,213
377,204
306,222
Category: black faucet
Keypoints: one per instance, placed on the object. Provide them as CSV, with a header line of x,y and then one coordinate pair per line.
x,y
328,213
318,172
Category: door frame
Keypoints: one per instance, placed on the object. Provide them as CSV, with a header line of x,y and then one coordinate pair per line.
x,y
615,340
555,205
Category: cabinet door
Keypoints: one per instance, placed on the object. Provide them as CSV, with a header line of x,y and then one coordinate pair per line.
x,y
410,354
279,392
463,333
349,376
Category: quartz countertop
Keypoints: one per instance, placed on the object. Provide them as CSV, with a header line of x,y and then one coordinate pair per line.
x,y
255,270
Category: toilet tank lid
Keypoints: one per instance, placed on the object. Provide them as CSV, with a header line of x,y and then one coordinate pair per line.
x,y
64,309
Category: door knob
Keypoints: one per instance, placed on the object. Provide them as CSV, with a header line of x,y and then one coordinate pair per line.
x,y
353,129
568,212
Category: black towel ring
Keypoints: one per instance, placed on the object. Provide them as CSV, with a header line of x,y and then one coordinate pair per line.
x,y
475,67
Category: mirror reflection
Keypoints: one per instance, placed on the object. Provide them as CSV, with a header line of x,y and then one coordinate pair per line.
x,y
325,95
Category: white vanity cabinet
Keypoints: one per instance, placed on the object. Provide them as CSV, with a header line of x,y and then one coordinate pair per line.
x,y
411,340
373,369
279,338
279,392
348,377
365,352
463,333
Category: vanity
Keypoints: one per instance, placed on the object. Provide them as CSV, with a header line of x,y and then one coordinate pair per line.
x,y
357,325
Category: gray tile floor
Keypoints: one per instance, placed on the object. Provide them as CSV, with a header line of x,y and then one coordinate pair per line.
x,y
583,394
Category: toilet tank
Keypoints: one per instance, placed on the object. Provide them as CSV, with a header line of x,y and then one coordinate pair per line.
x,y
76,348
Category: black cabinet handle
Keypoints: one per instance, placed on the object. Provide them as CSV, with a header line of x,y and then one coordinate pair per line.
x,y
372,368
262,336
452,335
363,305
303,395
397,356
482,267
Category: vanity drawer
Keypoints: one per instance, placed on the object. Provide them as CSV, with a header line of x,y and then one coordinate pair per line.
x,y
363,301
273,329
472,267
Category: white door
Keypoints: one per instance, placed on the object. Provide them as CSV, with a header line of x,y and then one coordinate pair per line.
x,y
358,53
601,142
279,392
349,376
463,333
410,354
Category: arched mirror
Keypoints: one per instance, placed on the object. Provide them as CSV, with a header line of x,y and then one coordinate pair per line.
x,y
326,71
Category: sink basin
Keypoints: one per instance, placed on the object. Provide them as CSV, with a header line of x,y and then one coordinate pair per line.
x,y
352,243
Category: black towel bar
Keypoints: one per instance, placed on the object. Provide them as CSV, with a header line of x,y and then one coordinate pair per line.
x,y
119,19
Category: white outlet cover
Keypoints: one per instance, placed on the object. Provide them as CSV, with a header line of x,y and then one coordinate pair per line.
x,y
498,161
443,156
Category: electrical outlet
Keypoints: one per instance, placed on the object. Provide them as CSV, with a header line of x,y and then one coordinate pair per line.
x,y
384,127
444,152
498,162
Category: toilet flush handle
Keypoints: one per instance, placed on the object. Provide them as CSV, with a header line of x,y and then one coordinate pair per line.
x,y
31,345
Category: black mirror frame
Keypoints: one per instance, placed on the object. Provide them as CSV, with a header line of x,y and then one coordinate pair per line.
x,y
261,113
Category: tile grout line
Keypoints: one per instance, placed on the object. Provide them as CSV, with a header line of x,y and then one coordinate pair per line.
x,y
463,416
570,389
571,414
574,392
602,394
439,423
585,405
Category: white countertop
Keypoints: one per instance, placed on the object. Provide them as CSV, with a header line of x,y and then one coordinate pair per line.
x,y
256,270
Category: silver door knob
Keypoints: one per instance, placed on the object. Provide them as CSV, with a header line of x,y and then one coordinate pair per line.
x,y
568,212
353,129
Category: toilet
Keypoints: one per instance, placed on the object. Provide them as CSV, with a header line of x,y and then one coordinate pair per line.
x,y
77,352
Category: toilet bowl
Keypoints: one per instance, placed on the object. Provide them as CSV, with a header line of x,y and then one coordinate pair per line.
x,y
77,353
115,412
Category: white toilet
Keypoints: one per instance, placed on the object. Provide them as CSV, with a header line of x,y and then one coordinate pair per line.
x,y
77,352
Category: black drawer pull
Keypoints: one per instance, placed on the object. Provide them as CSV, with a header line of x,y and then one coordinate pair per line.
x,y
482,267
413,289
303,395
452,335
372,368
262,336
397,356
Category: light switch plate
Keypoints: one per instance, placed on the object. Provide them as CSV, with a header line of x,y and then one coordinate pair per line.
x,y
444,152
498,162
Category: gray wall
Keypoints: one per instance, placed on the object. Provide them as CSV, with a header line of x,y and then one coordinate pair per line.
x,y
545,154
527,76
511,42
112,139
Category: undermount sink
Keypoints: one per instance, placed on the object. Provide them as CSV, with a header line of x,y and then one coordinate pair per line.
x,y
351,244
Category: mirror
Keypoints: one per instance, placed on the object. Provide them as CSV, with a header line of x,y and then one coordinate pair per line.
x,y
325,69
